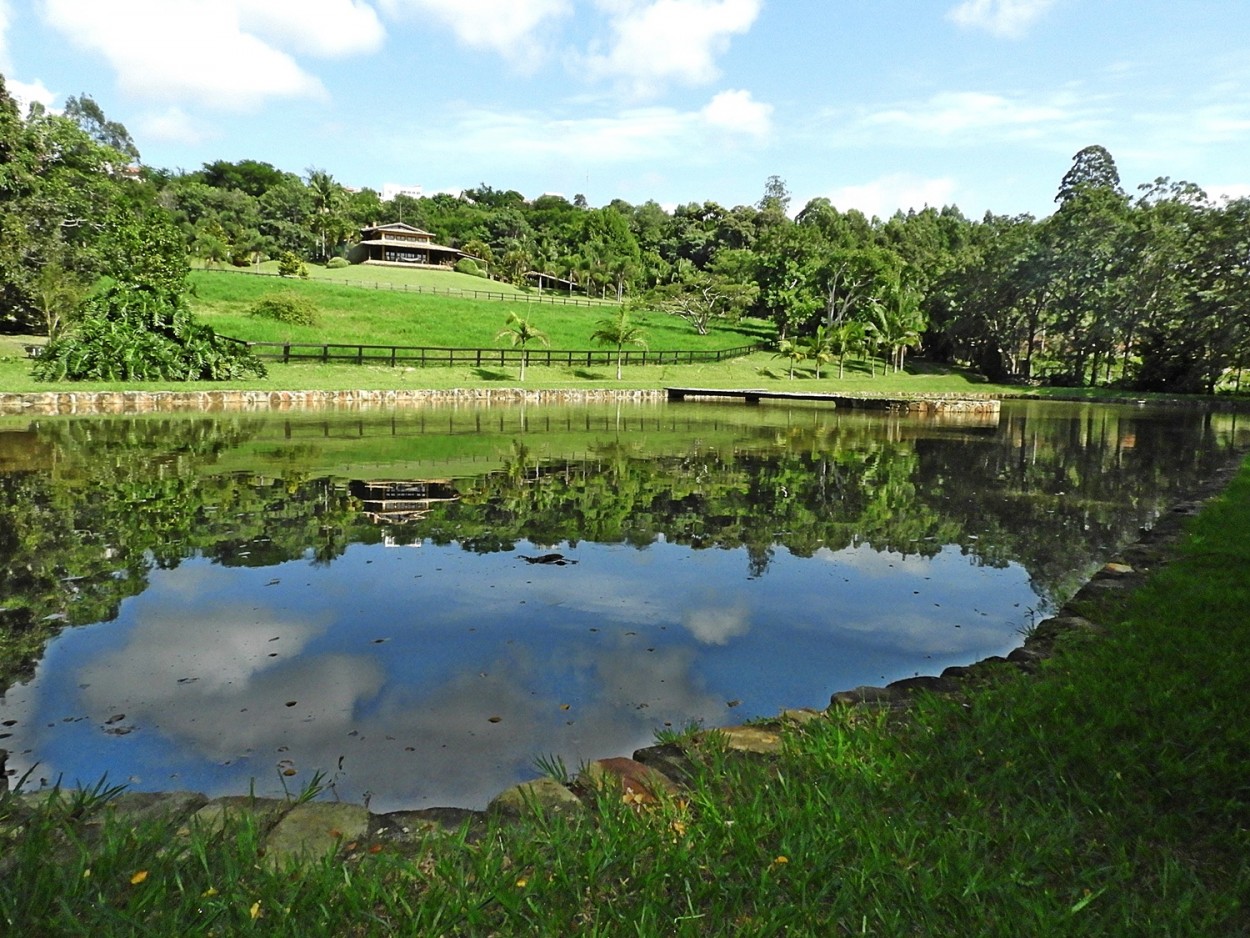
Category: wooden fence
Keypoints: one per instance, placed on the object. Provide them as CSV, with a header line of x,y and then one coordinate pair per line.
x,y
432,356
439,291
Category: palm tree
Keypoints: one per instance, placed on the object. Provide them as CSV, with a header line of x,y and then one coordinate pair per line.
x,y
896,320
844,340
788,348
820,348
618,331
519,334
328,199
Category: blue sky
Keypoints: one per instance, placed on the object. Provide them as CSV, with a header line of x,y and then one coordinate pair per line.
x,y
877,104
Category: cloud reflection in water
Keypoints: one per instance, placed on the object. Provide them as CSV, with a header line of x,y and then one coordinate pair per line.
x,y
436,676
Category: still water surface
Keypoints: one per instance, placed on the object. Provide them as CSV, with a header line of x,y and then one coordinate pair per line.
x,y
249,599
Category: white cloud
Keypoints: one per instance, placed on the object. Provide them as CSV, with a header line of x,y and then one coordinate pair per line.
x,y
647,134
173,125
738,111
28,93
953,113
1232,191
1008,18
317,27
1217,123
183,50
660,41
5,64
884,196
508,27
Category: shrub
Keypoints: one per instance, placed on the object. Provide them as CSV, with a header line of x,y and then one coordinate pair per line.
x,y
290,265
138,333
286,307
338,263
466,265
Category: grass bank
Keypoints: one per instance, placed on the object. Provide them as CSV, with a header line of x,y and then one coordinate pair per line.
x,y
354,313
1106,795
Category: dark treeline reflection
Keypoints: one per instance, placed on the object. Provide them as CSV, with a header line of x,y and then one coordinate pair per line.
x,y
1051,489
89,506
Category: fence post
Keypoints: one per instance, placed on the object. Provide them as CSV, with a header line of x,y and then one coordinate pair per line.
x,y
286,353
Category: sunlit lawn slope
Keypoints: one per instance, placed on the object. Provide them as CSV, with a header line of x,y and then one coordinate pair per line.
x,y
357,314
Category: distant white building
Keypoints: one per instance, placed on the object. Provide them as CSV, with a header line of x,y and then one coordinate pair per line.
x,y
392,189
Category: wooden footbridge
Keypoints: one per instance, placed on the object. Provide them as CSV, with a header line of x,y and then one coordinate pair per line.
x,y
935,403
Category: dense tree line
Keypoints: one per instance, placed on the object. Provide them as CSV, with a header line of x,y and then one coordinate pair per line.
x,y
89,258
1147,291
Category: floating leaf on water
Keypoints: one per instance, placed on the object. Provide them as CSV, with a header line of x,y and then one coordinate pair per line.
x,y
494,719
291,703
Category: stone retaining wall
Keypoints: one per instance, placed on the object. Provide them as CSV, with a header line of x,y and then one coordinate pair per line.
x,y
148,402
45,403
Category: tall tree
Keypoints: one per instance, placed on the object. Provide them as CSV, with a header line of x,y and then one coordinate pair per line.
x,y
328,200
88,115
1089,237
1092,168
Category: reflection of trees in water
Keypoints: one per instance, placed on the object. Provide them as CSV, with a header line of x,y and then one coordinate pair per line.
x,y
1055,495
117,497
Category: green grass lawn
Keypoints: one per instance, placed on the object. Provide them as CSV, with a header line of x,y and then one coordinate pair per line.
x,y
414,278
371,275
760,370
354,314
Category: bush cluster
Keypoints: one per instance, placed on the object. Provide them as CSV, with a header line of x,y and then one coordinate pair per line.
x,y
287,307
338,263
290,265
137,333
466,265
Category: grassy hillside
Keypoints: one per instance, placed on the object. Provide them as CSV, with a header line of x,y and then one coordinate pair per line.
x,y
357,314
371,275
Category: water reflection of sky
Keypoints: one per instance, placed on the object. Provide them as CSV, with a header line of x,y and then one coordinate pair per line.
x,y
429,675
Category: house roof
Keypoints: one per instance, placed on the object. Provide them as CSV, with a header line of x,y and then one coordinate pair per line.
x,y
397,226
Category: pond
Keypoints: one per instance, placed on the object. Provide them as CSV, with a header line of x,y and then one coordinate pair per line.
x,y
420,604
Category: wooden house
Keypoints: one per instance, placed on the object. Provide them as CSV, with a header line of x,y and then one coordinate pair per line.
x,y
401,245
